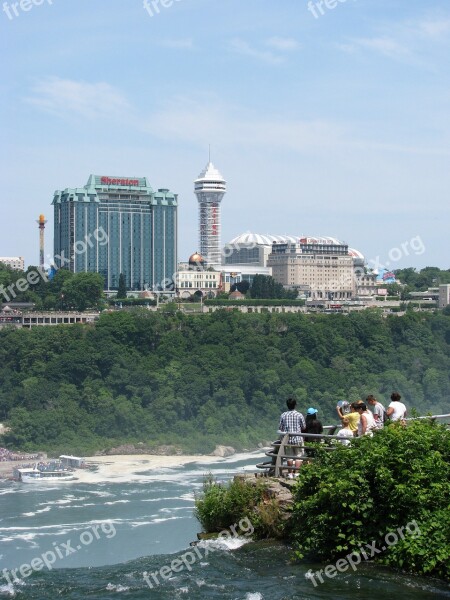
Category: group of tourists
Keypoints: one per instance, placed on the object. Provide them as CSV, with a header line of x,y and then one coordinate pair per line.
x,y
356,419
7,455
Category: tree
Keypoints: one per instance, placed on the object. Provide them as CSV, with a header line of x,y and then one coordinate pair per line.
x,y
122,291
265,287
241,286
83,290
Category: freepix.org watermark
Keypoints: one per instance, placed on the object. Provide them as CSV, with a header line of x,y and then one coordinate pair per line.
x,y
153,7
9,293
14,9
59,552
318,8
413,246
348,281
353,559
242,529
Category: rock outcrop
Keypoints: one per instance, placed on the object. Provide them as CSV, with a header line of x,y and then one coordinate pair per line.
x,y
223,451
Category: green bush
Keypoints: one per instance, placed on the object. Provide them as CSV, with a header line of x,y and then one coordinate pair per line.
x,y
223,505
352,497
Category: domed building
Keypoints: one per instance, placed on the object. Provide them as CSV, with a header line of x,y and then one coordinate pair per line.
x,y
196,260
318,267
195,278
254,248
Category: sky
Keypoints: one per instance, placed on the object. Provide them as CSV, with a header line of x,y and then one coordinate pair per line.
x,y
333,124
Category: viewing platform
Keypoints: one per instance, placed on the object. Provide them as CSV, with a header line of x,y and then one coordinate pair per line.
x,y
277,466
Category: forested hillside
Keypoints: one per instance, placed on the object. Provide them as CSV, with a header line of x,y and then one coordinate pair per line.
x,y
206,379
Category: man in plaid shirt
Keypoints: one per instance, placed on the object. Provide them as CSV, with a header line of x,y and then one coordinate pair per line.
x,y
293,422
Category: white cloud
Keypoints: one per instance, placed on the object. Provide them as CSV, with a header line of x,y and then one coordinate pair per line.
x,y
386,46
283,44
201,121
435,28
89,100
244,48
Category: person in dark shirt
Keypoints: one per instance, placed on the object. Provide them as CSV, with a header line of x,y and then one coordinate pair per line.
x,y
313,425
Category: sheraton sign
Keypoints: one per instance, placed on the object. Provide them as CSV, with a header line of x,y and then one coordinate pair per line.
x,y
117,181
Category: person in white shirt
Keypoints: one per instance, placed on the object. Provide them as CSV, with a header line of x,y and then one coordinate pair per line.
x,y
367,422
345,433
379,412
396,410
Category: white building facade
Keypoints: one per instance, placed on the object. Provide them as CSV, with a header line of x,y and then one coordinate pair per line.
x,y
322,271
17,263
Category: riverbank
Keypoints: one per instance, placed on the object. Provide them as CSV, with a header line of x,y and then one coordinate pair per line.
x,y
119,467
128,467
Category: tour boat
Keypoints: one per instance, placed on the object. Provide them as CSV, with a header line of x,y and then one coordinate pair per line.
x,y
49,474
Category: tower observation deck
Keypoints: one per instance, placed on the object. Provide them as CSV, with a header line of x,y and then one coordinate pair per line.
x,y
210,188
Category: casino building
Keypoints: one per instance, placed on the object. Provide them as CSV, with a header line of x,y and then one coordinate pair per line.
x,y
117,225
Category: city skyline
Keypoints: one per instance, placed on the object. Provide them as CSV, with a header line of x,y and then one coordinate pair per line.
x,y
312,123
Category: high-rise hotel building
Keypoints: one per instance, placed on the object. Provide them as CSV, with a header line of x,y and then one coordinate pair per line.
x,y
117,225
323,268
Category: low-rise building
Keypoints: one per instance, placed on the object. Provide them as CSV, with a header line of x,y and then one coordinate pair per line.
x,y
194,277
444,295
366,284
17,263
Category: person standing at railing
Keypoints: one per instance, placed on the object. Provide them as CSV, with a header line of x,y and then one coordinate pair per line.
x,y
313,425
367,422
345,433
396,410
293,422
352,416
379,412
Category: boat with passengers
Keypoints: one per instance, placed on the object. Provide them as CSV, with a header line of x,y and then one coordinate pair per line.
x,y
52,472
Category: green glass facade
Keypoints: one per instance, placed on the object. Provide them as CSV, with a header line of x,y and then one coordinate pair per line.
x,y
118,225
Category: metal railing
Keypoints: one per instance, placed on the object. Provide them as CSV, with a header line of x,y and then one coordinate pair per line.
x,y
278,467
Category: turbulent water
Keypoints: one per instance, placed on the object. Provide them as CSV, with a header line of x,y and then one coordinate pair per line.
x,y
129,538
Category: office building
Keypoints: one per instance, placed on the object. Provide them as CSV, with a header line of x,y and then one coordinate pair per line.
x,y
118,225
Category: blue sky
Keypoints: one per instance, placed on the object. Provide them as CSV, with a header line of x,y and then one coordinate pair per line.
x,y
337,125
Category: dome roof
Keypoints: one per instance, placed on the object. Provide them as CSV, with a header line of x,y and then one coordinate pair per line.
x,y
196,259
210,173
356,253
256,239
262,240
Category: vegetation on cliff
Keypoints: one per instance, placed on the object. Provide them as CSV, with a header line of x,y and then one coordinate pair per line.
x,y
202,380
387,496
358,496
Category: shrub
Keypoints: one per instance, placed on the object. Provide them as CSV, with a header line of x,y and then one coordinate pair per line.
x,y
352,497
223,505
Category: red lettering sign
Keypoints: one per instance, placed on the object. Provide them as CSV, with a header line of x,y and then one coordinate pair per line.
x,y
125,182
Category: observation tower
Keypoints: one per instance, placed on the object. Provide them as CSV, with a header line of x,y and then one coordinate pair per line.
x,y
210,188
41,222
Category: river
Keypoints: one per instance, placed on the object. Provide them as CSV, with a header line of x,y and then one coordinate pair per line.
x,y
129,537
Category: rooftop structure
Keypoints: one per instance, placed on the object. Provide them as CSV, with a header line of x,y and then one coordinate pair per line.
x,y
254,248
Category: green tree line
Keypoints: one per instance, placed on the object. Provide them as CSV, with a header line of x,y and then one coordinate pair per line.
x,y
198,380
63,291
